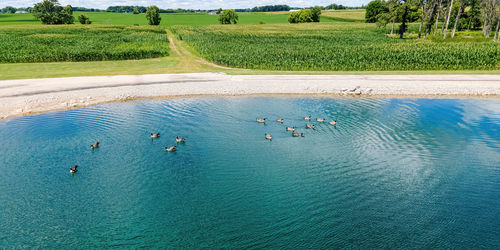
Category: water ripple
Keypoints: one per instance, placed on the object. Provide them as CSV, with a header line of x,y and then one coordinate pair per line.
x,y
393,173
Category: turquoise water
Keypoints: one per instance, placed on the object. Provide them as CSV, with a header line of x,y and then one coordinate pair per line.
x,y
393,173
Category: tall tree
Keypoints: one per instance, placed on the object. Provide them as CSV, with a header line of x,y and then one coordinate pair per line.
x,y
389,15
473,15
433,9
422,3
450,9
489,9
228,17
404,19
440,8
373,10
462,6
153,15
393,6
50,12
447,9
496,29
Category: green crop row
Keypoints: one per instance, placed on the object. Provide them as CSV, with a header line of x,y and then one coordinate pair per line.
x,y
38,43
332,47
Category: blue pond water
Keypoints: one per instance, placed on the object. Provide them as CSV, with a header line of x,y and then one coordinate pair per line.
x,y
393,173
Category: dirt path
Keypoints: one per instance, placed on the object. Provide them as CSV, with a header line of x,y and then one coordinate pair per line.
x,y
172,46
185,54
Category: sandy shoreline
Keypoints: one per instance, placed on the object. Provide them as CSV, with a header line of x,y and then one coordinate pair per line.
x,y
24,97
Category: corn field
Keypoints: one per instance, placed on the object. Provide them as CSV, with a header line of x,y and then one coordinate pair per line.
x,y
23,44
334,47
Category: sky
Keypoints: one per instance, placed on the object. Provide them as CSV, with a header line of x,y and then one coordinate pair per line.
x,y
187,4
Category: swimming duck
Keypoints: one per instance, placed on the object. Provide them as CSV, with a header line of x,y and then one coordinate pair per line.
x,y
280,120
260,120
333,122
73,169
310,126
95,145
156,135
179,139
268,136
320,119
307,118
295,134
171,149
290,128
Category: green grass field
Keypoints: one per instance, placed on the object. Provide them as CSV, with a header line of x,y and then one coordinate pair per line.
x,y
167,19
261,43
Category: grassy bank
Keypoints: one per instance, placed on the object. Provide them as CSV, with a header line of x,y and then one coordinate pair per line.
x,y
334,47
41,43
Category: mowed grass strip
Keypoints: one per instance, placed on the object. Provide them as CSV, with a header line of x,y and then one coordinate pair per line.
x,y
43,43
191,19
333,47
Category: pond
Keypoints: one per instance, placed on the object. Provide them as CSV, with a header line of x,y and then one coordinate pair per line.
x,y
392,173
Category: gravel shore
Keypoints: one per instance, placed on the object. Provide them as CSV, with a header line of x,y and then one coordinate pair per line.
x,y
24,97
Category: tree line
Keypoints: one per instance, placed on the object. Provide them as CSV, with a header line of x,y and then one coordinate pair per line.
x,y
12,10
437,16
51,12
142,9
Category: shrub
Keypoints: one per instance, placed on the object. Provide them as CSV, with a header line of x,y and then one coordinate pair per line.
x,y
228,17
84,19
153,15
301,16
316,13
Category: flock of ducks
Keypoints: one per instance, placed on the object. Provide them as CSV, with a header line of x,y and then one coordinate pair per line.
x,y
292,129
178,139
268,136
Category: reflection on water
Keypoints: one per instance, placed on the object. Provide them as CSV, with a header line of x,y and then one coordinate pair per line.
x,y
393,173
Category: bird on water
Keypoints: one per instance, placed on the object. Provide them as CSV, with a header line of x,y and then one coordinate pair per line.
x,y
310,126
268,136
